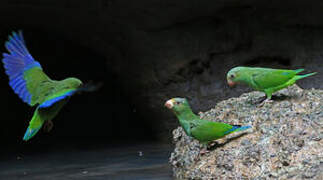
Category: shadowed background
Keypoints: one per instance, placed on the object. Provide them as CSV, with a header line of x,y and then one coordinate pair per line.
x,y
147,52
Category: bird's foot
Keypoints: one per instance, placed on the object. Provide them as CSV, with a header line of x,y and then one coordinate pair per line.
x,y
209,147
200,114
265,102
204,151
260,100
48,126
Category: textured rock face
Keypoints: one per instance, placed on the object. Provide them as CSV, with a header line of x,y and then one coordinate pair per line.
x,y
285,142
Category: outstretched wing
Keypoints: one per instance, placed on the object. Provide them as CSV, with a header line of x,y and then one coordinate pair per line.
x,y
267,78
25,74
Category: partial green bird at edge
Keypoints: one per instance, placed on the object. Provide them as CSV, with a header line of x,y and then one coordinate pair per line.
x,y
266,80
203,130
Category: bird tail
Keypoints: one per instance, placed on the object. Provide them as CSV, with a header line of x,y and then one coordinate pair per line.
x,y
236,128
31,132
298,70
242,128
34,125
305,75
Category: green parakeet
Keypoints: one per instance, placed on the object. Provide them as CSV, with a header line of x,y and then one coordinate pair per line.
x,y
33,86
266,80
202,130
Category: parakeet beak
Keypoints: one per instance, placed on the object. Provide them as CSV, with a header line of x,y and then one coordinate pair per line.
x,y
169,104
231,83
90,86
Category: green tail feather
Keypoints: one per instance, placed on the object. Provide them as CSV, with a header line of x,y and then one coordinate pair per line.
x,y
305,75
31,132
298,70
34,125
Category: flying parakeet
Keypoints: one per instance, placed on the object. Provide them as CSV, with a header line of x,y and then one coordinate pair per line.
x,y
33,86
266,80
202,130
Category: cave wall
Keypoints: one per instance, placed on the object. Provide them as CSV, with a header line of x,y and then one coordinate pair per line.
x,y
160,49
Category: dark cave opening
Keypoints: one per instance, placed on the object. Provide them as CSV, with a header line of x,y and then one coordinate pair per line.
x,y
91,119
144,53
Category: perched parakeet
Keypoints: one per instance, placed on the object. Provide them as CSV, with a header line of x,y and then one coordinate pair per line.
x,y
202,130
266,80
33,86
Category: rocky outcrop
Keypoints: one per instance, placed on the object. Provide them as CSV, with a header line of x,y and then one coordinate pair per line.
x,y
285,141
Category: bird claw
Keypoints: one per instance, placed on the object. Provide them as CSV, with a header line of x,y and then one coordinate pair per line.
x,y
208,147
212,144
48,126
200,113
204,151
265,102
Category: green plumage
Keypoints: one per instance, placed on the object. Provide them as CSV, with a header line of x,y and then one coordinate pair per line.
x,y
42,116
266,80
38,84
33,86
206,131
202,130
43,89
48,90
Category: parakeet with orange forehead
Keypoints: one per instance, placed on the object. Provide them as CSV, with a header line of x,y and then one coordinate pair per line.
x,y
33,86
203,130
266,80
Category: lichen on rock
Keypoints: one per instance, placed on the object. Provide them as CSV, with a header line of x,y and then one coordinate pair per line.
x,y
284,143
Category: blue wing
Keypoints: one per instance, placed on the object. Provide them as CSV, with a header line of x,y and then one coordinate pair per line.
x,y
16,63
55,99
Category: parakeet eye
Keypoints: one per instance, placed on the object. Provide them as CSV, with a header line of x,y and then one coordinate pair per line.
x,y
232,76
177,103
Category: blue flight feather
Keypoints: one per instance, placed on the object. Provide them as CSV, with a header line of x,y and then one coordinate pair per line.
x,y
237,128
52,101
16,63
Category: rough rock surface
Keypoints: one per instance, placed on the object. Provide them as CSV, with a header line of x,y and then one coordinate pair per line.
x,y
285,142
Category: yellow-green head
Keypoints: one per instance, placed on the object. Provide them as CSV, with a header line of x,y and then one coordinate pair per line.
x,y
178,105
72,83
235,75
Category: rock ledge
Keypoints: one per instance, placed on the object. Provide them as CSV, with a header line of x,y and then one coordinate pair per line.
x,y
285,142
